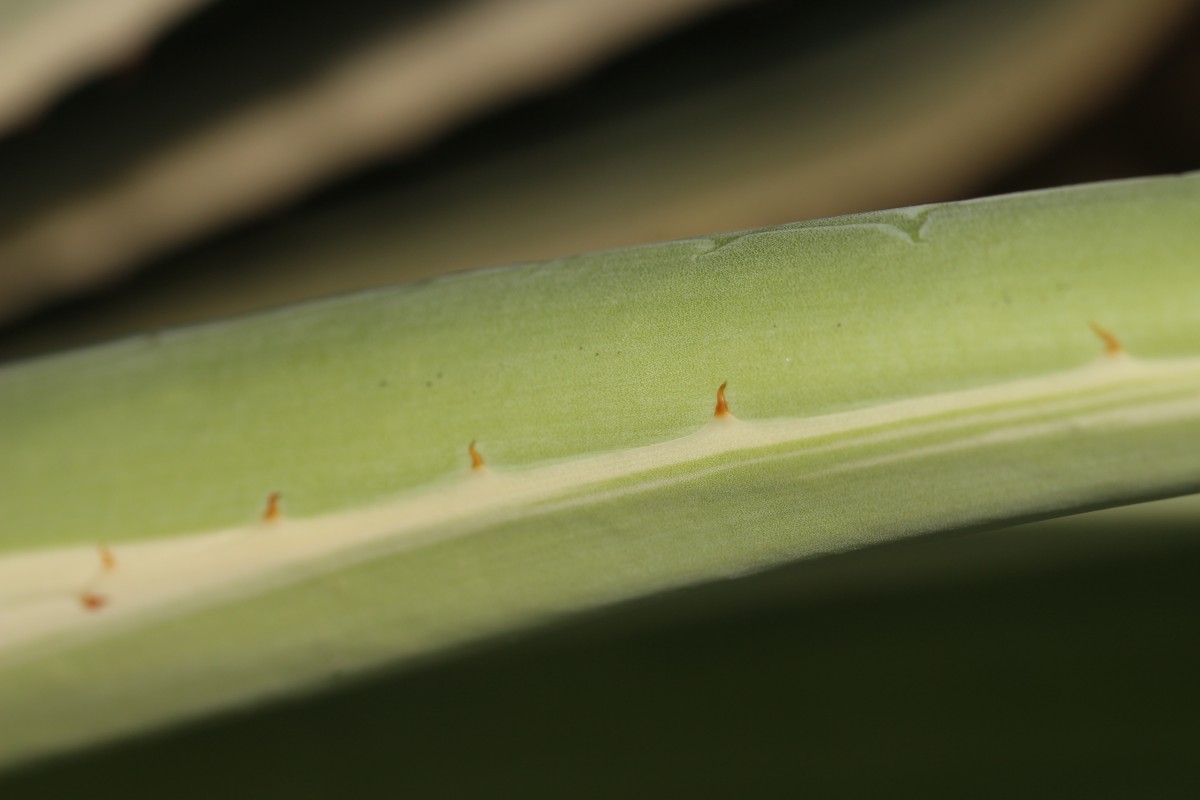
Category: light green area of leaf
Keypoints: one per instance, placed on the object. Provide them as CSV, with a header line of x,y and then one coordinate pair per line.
x,y
855,675
354,400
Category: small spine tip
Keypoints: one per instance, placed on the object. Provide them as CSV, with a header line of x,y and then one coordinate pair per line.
x,y
1112,346
477,462
722,410
273,512
108,561
92,601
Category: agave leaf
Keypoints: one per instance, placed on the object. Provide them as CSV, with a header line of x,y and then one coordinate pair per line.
x,y
1026,654
893,374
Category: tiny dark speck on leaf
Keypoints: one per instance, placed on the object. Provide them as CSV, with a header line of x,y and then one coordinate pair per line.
x,y
839,325
597,352
382,384
439,376
429,383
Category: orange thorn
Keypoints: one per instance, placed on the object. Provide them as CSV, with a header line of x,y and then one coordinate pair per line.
x,y
477,462
722,411
92,601
1112,347
273,512
107,560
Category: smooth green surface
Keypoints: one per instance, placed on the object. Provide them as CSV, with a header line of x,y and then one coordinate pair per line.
x,y
352,400
1048,660
537,568
349,401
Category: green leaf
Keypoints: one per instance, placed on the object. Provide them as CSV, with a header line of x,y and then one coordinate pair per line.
x,y
893,374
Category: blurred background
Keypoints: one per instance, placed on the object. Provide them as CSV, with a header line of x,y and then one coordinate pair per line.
x,y
165,162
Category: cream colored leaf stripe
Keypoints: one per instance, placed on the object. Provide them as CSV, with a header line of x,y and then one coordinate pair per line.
x,y
61,594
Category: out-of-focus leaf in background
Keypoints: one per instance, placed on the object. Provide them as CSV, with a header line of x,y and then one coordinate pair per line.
x,y
223,124
47,45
